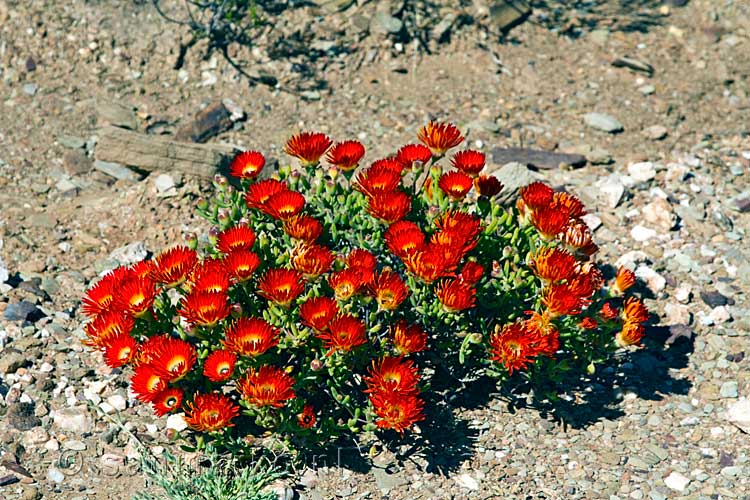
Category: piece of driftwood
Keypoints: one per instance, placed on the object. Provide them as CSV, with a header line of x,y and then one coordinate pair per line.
x,y
536,158
150,153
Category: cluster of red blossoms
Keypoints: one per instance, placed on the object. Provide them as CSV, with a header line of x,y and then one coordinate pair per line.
x,y
282,321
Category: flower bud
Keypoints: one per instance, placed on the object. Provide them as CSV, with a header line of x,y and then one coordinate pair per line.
x,y
244,221
170,434
236,310
223,217
189,330
213,235
202,203
192,240
220,182
316,365
229,190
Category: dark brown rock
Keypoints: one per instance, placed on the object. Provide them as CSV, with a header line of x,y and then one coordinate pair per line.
x,y
208,123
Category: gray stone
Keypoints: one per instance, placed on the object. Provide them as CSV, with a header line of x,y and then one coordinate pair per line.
x,y
74,445
676,481
117,171
505,14
164,182
21,416
739,414
116,114
10,361
513,176
76,162
383,22
647,89
387,482
656,132
4,274
610,190
729,389
129,254
22,311
642,171
731,471
603,122
30,88
75,419
71,142
55,475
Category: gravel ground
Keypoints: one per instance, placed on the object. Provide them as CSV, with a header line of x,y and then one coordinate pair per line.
x,y
666,184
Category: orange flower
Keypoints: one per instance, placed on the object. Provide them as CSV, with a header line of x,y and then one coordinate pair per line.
x,y
303,228
346,283
119,350
241,264
359,257
623,281
260,192
455,184
247,165
389,207
146,383
388,163
469,162
281,286
106,326
306,419
100,297
135,296
345,332
318,312
404,238
346,155
537,195
390,290
560,300
427,265
514,346
487,185
205,308
392,375
250,337
312,260
455,295
439,137
609,311
308,147
219,365
149,350
210,412
172,266
552,265
569,204
168,401
464,226
266,386
549,222
210,276
631,334
396,411
539,324
407,339
377,179
284,205
142,269
472,272
633,311
174,359
235,238
587,323
577,236
413,155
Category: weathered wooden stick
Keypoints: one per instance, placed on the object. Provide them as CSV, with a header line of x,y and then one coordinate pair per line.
x,y
148,152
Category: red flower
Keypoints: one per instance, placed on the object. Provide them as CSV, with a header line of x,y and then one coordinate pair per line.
x,y
303,228
609,311
306,419
404,238
149,350
346,155
146,383
549,222
210,276
318,312
552,265
487,185
119,350
250,337
174,359
472,272
455,184
466,226
281,286
346,283
168,401
141,269
469,162
284,205
390,290
539,324
106,326
219,365
560,300
631,334
235,238
135,296
377,179
241,264
634,311
205,308
396,411
456,295
308,147
569,204
100,297
266,386
514,346
210,412
623,281
260,192
359,257
345,332
537,195
412,155
247,165
587,323
577,236
390,164
312,260
172,266
389,207
407,339
439,137
427,265
392,375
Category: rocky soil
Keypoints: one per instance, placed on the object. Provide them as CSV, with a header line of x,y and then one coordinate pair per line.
x,y
667,139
